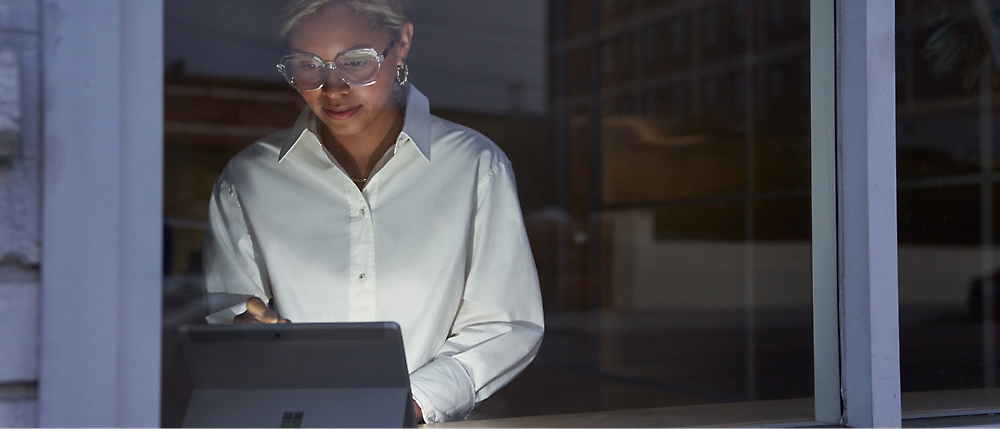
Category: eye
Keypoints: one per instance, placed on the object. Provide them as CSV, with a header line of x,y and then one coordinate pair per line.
x,y
306,66
355,63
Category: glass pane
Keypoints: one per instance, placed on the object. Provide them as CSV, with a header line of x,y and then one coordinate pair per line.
x,y
661,151
946,155
689,281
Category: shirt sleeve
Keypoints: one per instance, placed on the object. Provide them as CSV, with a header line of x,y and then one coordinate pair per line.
x,y
232,273
499,324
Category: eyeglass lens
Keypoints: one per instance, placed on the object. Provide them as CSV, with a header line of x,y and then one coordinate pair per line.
x,y
307,72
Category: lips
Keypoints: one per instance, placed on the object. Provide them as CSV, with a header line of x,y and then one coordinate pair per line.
x,y
340,112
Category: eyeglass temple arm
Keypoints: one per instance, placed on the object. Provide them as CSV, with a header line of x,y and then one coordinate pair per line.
x,y
386,51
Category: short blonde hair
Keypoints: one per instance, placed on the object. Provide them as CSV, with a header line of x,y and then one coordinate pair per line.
x,y
387,15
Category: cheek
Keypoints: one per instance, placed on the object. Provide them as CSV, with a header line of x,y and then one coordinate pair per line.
x,y
388,71
386,78
311,98
379,94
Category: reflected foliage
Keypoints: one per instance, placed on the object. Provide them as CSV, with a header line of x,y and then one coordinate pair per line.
x,y
959,42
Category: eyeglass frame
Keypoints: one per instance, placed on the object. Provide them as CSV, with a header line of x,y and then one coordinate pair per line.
x,y
332,66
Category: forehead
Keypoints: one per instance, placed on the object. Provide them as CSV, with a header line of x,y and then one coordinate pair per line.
x,y
334,29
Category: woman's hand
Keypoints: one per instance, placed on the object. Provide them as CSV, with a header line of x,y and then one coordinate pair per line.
x,y
419,413
258,312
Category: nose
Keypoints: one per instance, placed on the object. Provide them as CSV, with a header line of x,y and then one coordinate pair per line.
x,y
334,84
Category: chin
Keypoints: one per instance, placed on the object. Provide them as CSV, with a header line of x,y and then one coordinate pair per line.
x,y
347,127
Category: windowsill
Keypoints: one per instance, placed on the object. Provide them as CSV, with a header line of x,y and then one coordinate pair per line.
x,y
968,408
789,413
947,403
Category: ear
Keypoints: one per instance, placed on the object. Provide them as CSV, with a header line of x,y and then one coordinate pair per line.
x,y
405,36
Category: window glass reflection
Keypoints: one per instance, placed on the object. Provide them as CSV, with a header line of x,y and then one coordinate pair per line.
x,y
661,150
680,273
946,146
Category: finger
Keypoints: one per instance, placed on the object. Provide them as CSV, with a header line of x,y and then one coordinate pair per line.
x,y
269,316
260,310
284,321
256,306
246,318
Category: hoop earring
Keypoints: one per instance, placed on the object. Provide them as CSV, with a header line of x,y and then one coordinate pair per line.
x,y
402,74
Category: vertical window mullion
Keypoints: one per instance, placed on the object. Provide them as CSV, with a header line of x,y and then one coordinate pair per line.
x,y
866,221
823,141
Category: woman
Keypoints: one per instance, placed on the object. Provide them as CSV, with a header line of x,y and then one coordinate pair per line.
x,y
370,209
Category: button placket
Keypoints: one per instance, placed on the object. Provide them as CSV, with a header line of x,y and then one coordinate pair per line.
x,y
362,281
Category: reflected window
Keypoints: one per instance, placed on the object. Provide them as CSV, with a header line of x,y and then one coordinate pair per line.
x,y
740,20
711,25
691,274
651,45
678,40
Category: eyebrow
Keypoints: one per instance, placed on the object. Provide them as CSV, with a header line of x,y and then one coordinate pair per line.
x,y
353,48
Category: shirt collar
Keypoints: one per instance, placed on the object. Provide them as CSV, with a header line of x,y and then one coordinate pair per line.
x,y
416,125
306,123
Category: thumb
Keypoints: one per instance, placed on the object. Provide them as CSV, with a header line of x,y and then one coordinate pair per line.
x,y
258,309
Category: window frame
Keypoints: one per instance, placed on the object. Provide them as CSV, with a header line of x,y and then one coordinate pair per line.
x,y
823,150
865,169
102,213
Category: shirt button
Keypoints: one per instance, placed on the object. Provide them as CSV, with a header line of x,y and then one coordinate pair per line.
x,y
361,277
361,212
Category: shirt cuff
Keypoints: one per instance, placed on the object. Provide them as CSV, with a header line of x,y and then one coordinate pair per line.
x,y
226,315
443,388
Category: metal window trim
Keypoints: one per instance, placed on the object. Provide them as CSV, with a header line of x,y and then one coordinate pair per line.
x,y
866,212
823,142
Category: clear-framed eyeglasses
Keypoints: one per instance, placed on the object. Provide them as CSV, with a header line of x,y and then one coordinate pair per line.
x,y
357,67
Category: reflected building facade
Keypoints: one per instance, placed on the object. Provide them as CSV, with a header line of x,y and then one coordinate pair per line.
x,y
680,273
946,86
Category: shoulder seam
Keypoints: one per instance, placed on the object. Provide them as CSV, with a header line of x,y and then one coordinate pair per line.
x,y
231,190
485,181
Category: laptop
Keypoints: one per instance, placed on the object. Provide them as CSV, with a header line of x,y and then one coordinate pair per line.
x,y
297,375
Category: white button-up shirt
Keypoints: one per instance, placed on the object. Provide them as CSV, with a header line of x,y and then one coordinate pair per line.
x,y
434,241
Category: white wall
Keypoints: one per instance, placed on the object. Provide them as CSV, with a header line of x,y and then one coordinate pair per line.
x,y
712,274
691,274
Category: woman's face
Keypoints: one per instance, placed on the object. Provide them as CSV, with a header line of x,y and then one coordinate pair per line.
x,y
350,110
